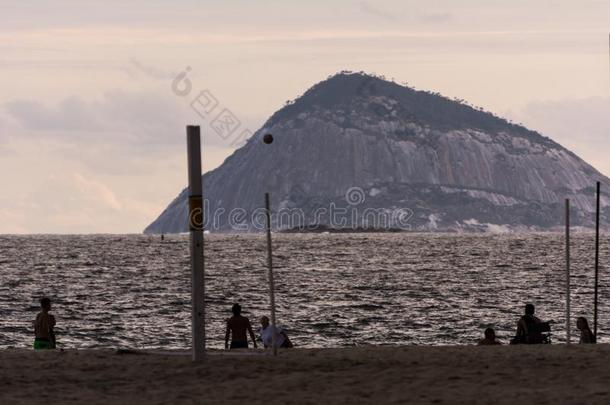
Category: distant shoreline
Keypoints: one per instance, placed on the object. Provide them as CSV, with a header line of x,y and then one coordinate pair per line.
x,y
327,229
324,229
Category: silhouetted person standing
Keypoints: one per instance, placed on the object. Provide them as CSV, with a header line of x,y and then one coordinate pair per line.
x,y
586,336
43,327
237,326
528,327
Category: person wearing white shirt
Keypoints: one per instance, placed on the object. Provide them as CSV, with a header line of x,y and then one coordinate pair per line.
x,y
266,334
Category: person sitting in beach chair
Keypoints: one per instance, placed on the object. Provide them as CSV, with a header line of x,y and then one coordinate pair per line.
x,y
490,338
237,326
586,335
530,329
43,327
266,333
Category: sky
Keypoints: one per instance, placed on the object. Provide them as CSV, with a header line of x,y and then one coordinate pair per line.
x,y
95,96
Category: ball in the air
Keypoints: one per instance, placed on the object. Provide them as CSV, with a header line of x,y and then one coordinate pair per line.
x,y
268,139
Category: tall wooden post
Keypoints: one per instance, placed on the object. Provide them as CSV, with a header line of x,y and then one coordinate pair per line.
x,y
597,217
271,282
568,326
195,219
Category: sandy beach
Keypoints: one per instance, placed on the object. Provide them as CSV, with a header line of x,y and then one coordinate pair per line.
x,y
382,375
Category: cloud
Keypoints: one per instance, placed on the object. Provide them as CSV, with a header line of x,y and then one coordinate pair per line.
x,y
132,117
67,198
439,17
140,120
8,127
376,11
97,191
12,222
582,125
413,14
119,134
71,114
151,71
586,120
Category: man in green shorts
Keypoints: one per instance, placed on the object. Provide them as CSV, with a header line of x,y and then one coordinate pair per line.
x,y
43,327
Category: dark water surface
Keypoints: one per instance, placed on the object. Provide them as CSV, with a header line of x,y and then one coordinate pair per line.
x,y
332,289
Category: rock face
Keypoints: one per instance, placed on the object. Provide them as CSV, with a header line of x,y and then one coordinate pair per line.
x,y
356,151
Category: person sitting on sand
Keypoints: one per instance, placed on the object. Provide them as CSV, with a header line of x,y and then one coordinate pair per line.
x,y
43,327
528,327
237,326
490,338
266,333
586,336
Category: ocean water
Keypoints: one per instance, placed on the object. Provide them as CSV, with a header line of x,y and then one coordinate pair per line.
x,y
333,290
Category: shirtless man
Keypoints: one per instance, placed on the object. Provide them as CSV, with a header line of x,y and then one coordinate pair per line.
x,y
43,327
237,326
528,327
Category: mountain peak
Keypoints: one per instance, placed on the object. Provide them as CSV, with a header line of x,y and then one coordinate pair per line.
x,y
360,93
454,166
